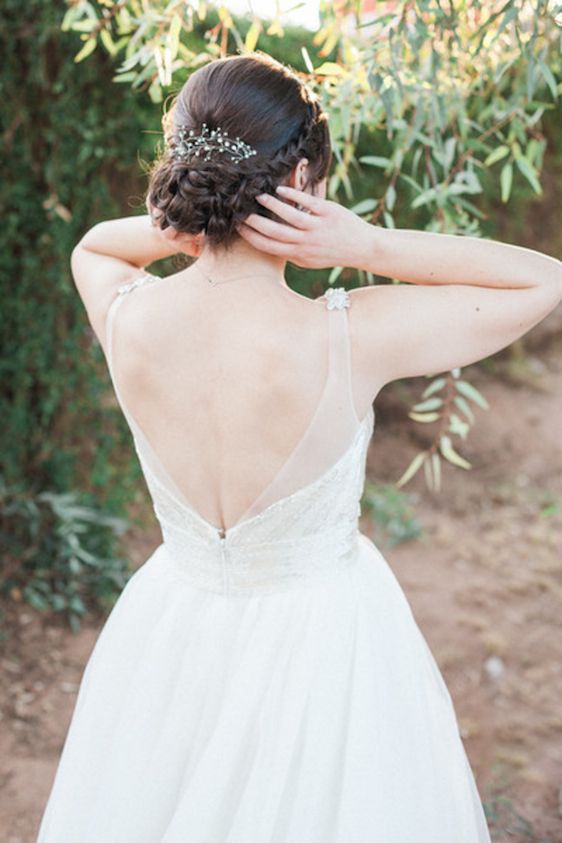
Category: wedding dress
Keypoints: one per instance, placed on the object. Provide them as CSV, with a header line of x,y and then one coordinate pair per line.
x,y
267,684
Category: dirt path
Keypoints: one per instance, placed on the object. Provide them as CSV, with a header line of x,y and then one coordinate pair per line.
x,y
484,582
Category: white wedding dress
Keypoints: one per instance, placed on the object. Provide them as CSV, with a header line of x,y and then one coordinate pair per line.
x,y
269,685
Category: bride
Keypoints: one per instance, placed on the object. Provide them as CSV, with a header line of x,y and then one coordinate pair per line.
x,y
261,678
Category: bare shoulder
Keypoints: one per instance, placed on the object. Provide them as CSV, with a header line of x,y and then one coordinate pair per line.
x,y
99,279
376,306
408,330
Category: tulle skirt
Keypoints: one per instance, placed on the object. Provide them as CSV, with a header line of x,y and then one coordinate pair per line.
x,y
316,715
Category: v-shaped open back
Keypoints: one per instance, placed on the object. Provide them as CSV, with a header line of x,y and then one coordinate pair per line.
x,y
330,432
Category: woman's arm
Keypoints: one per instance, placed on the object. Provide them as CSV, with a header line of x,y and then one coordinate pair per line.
x,y
115,252
331,235
474,297
133,240
428,258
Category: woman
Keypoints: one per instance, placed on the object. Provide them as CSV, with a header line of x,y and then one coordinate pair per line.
x,y
261,678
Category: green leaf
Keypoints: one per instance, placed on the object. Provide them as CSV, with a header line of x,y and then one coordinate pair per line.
x,y
252,36
412,182
69,18
436,465
458,426
58,601
529,173
428,471
335,274
375,161
506,179
365,206
330,68
107,42
449,152
388,219
85,25
35,599
125,77
306,58
549,79
464,406
424,417
414,466
89,47
435,386
155,91
471,392
451,455
423,198
390,197
496,155
457,189
174,36
430,404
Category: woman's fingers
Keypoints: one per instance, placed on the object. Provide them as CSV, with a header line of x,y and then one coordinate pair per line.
x,y
301,197
275,230
298,219
264,244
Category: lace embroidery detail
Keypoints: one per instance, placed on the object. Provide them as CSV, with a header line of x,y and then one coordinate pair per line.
x,y
337,298
139,282
306,537
169,508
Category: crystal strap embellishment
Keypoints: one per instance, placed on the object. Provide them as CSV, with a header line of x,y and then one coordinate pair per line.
x,y
139,282
337,298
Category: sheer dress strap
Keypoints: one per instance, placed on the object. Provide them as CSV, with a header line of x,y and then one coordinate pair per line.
x,y
147,278
338,301
334,422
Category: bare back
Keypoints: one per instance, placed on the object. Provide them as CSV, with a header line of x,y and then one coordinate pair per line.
x,y
237,399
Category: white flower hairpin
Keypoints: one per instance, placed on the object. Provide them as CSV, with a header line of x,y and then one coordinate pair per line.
x,y
187,144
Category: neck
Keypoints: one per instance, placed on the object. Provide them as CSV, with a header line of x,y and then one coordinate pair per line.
x,y
241,259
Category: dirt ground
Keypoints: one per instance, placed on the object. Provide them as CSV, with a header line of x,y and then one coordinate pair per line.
x,y
484,582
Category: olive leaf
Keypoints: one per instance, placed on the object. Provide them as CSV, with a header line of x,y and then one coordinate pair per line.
x,y
434,386
464,406
450,454
424,417
458,426
430,404
470,391
414,466
436,465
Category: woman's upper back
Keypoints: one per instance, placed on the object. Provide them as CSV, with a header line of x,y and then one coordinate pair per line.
x,y
242,393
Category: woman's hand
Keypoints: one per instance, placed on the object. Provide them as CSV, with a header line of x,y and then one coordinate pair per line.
x,y
322,235
189,244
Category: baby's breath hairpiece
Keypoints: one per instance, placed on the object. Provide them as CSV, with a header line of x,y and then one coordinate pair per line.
x,y
186,143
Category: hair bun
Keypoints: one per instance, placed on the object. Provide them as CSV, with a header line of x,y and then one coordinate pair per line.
x,y
211,196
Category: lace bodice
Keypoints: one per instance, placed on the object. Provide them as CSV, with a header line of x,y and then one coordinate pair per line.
x,y
285,540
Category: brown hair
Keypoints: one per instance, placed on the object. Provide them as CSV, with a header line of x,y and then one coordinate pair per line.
x,y
263,102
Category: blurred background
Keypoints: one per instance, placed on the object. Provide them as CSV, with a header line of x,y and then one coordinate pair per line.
x,y
444,117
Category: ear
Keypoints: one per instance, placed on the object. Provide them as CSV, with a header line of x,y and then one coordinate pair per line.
x,y
298,177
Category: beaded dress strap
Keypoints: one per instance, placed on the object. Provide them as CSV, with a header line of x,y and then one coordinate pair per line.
x,y
147,278
337,298
121,292
338,301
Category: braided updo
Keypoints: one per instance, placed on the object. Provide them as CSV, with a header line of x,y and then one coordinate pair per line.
x,y
267,106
